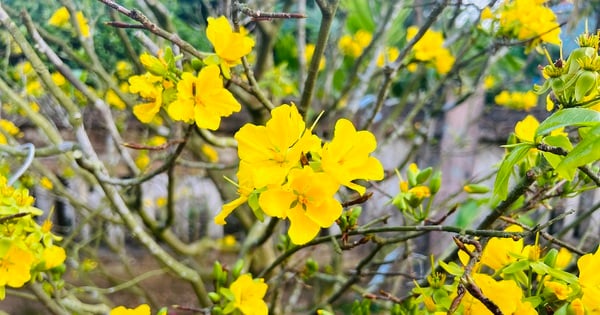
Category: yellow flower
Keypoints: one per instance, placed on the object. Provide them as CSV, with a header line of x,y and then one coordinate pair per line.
x,y
249,294
563,258
83,24
430,49
506,294
46,183
53,256
203,99
525,129
517,100
9,127
307,200
347,156
390,55
123,69
527,20
143,309
114,100
15,265
500,252
486,13
353,46
230,46
148,87
34,88
577,307
489,82
58,79
142,160
272,150
211,154
60,17
561,290
589,280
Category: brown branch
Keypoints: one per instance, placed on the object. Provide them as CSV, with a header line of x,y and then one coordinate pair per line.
x,y
258,15
152,27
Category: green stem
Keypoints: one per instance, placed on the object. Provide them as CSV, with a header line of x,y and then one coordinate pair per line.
x,y
328,9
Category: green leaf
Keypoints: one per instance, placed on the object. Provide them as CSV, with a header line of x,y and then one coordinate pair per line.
x,y
586,151
452,268
515,156
253,203
568,117
516,266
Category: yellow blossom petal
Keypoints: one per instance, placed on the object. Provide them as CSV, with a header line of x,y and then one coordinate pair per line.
x,y
249,295
230,46
525,129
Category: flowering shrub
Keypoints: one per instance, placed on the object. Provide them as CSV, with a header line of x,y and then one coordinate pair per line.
x,y
316,220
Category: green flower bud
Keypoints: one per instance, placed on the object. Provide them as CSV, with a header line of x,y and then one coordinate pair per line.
x,y
476,189
435,183
214,297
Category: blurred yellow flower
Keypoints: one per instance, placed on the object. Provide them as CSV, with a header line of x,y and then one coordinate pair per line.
x,y
525,129
517,100
560,290
114,100
46,183
58,78
53,256
211,154
489,82
61,18
142,160
203,99
430,49
83,24
143,309
354,45
526,20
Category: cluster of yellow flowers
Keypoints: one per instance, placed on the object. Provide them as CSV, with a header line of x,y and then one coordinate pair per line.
x,y
511,260
430,50
9,128
517,100
26,248
192,98
286,172
354,45
525,20
61,18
